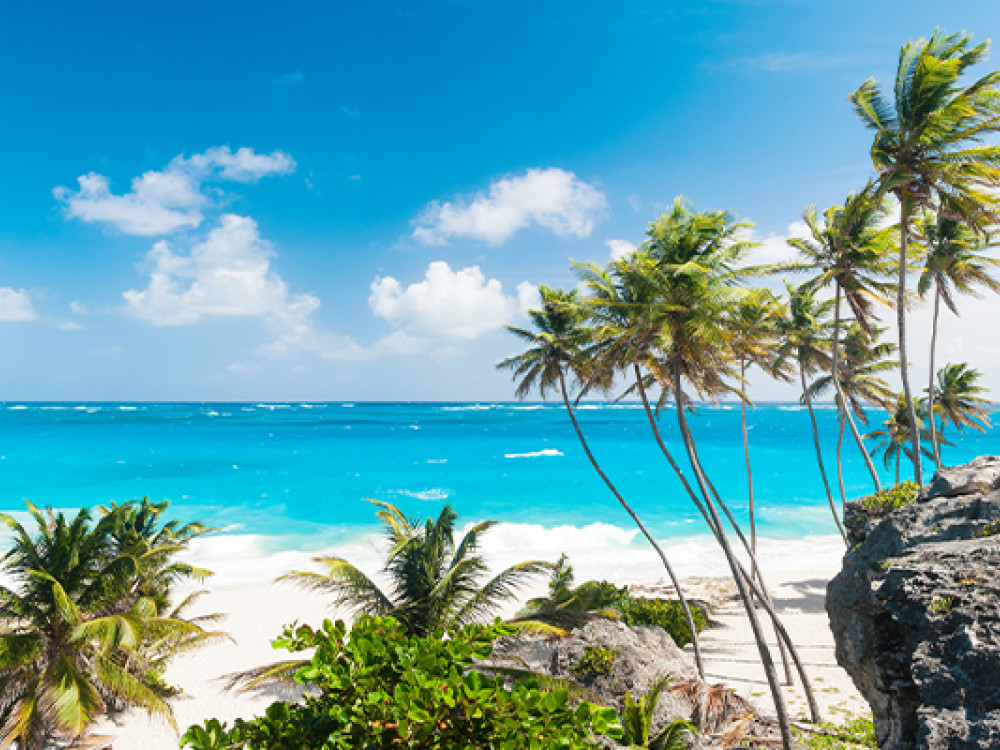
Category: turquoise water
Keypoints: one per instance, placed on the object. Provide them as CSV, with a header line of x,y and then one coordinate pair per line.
x,y
296,473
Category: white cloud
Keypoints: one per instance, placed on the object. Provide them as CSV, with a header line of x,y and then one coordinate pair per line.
x,y
244,367
460,305
229,274
619,248
552,198
164,201
774,248
15,305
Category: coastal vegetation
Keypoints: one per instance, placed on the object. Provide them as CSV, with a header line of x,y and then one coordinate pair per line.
x,y
88,626
381,686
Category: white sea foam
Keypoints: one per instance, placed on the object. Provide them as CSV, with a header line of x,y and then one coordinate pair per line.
x,y
128,408
433,494
17,408
469,407
534,454
437,460
527,408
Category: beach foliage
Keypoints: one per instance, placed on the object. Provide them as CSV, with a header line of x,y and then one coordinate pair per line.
x,y
434,582
596,660
663,613
858,732
87,623
637,722
882,503
381,686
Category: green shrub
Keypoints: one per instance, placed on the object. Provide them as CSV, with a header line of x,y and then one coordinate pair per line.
x,y
991,529
595,660
380,688
855,733
882,503
943,604
664,613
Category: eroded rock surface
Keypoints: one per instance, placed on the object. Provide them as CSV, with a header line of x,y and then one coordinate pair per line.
x,y
915,613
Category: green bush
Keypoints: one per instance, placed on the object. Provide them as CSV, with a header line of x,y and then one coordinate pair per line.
x,y
991,529
884,502
664,613
380,688
855,733
595,660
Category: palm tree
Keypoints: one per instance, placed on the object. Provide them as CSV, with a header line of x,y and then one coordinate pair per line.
x,y
894,438
805,333
849,249
864,359
559,343
953,263
637,722
959,401
927,152
76,638
435,583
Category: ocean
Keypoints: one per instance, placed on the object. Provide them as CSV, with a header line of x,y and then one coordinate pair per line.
x,y
284,481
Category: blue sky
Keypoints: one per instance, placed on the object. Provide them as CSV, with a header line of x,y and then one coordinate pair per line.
x,y
348,201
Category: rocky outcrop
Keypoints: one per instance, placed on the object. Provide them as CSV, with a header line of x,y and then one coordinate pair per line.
x,y
915,612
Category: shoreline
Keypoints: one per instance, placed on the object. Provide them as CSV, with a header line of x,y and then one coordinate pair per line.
x,y
256,612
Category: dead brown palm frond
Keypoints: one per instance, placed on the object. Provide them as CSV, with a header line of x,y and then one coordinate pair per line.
x,y
732,736
713,707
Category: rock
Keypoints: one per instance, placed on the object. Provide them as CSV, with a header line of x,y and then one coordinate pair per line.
x,y
915,613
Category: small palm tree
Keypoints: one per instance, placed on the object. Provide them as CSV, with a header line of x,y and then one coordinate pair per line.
x,y
435,583
928,152
954,263
959,399
79,635
637,723
894,439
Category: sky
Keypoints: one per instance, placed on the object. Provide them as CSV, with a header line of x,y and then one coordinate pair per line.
x,y
349,201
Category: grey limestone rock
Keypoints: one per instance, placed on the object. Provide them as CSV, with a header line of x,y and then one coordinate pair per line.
x,y
915,613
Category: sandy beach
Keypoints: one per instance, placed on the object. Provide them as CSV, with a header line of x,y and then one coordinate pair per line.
x,y
256,614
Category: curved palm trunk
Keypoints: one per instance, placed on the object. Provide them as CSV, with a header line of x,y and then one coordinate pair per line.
x,y
840,467
746,460
784,642
842,404
935,447
640,524
819,453
741,584
911,412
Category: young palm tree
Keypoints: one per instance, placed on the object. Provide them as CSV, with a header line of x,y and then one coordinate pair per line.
x,y
959,400
637,723
864,359
954,263
557,344
850,250
928,152
806,338
435,583
76,639
894,438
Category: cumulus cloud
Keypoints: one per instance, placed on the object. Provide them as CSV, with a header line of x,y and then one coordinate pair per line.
x,y
460,305
15,305
229,274
774,248
619,248
552,199
170,199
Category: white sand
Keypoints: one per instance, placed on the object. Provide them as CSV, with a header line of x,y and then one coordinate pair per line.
x,y
256,615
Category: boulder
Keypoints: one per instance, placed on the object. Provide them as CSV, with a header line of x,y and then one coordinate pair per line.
x,y
915,613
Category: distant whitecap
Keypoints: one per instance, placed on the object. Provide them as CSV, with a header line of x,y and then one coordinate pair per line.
x,y
534,454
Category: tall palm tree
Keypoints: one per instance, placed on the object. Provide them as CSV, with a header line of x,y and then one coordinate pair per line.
x,y
559,342
927,151
865,358
960,401
806,338
76,640
696,254
850,250
954,263
435,582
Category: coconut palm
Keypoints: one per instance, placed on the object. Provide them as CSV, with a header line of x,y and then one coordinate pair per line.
x,y
435,583
959,401
894,440
865,358
560,342
928,153
954,263
76,639
850,250
805,333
